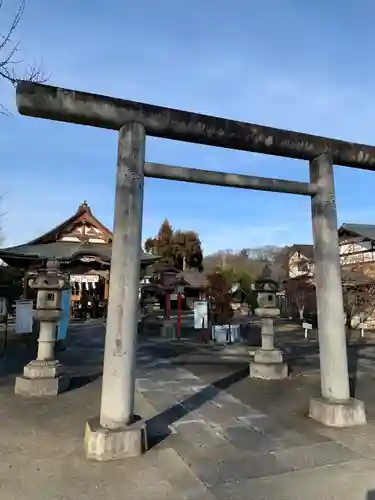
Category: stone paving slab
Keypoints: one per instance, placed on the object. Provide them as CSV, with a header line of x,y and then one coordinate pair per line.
x,y
215,439
160,475
360,440
353,480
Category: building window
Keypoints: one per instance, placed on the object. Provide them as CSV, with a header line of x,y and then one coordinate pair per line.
x,y
303,267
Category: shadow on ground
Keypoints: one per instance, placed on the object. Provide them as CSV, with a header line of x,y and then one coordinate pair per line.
x,y
158,427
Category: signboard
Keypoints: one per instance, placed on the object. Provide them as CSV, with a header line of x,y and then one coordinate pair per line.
x,y
24,316
180,289
306,327
62,326
200,314
84,278
3,306
223,334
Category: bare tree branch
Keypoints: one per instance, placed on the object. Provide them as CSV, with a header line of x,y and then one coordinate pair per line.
x,y
358,292
12,66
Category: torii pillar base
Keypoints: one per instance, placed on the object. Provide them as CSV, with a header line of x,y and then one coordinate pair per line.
x,y
338,413
103,444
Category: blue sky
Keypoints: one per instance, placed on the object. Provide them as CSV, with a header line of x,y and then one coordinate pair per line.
x,y
304,66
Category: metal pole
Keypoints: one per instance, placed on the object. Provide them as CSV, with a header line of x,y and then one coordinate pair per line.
x,y
332,338
178,315
117,404
6,331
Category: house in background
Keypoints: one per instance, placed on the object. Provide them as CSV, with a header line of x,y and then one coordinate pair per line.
x,y
300,261
357,258
357,244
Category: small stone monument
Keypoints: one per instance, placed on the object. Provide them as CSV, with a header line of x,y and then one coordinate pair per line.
x,y
268,361
45,375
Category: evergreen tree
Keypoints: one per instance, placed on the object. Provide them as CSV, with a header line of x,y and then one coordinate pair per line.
x,y
180,248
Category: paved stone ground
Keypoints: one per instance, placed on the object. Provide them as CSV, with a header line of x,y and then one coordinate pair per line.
x,y
215,434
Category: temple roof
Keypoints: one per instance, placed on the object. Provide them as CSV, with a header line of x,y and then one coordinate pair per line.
x,y
63,251
82,235
82,215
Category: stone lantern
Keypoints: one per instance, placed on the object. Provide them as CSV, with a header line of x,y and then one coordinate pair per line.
x,y
268,361
45,375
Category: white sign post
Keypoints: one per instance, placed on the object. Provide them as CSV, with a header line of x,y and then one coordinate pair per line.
x,y
362,324
3,306
200,314
306,327
362,327
24,316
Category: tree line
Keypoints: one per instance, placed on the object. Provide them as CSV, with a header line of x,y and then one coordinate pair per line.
x,y
229,274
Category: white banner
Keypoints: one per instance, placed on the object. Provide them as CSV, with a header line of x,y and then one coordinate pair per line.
x,y
84,278
200,314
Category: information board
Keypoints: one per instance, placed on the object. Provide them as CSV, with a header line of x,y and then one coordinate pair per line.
x,y
200,314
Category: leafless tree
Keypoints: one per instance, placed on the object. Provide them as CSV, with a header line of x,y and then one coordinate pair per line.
x,y
300,290
12,67
358,293
249,261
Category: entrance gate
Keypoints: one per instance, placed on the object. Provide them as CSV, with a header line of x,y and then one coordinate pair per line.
x,y
134,121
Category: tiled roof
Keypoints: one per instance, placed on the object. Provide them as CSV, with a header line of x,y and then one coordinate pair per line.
x,y
363,230
63,251
194,278
306,250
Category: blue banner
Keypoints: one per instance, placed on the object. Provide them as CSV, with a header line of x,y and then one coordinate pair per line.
x,y
62,326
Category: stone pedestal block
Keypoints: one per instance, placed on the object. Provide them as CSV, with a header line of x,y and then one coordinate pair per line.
x,y
269,371
265,356
268,365
39,387
168,330
338,414
104,444
42,378
43,369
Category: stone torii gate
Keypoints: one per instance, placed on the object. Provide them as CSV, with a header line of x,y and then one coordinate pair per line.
x,y
118,433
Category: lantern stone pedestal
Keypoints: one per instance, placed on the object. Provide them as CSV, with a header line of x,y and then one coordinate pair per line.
x,y
168,329
45,376
42,378
268,361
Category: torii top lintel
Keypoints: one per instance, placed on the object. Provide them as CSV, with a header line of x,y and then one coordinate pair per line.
x,y
45,101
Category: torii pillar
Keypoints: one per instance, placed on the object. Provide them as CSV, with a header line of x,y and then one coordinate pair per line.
x,y
118,433
335,407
